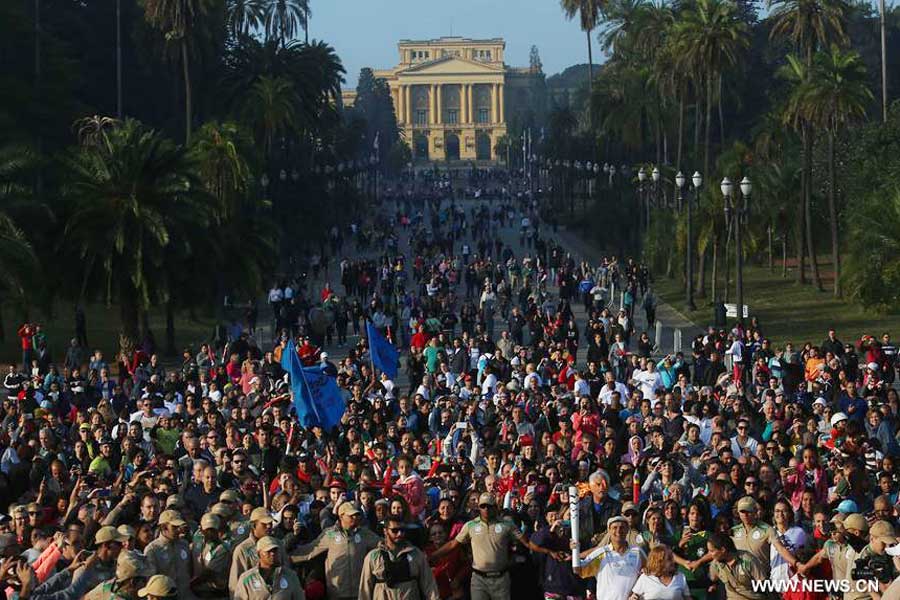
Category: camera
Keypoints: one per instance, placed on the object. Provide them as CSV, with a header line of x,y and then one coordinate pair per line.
x,y
879,567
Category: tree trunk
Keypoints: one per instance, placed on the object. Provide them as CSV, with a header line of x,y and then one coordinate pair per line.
x,y
784,240
832,213
590,66
771,258
128,314
2,329
706,172
715,267
801,225
701,275
721,115
119,58
187,91
698,124
807,208
170,329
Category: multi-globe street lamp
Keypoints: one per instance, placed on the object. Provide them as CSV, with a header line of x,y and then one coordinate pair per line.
x,y
697,181
738,209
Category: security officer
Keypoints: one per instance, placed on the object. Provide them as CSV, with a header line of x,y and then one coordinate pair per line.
x,y
132,572
270,580
101,566
490,539
346,545
755,537
244,556
397,570
159,587
170,555
211,558
238,527
736,569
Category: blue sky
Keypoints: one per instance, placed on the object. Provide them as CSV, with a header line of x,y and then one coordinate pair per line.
x,y
365,32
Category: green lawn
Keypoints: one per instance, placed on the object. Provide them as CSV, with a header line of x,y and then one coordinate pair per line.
x,y
102,330
786,310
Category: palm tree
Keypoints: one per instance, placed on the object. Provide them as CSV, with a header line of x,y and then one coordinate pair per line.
x,y
284,17
176,19
244,16
807,24
19,267
221,152
124,198
619,23
588,13
835,93
710,37
271,109
873,268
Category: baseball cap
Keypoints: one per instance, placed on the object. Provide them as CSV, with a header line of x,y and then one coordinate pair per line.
x,y
9,545
175,501
210,521
820,400
628,506
261,514
109,534
337,483
158,585
347,509
267,543
884,531
847,507
856,521
229,496
617,519
747,503
487,498
171,517
131,564
126,531
220,510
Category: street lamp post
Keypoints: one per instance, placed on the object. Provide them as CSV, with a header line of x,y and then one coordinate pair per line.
x,y
738,210
642,177
697,180
654,175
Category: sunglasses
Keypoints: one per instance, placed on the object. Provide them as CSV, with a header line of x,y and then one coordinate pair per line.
x,y
396,530
485,506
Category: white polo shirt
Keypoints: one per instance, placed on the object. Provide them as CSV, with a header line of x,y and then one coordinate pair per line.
x,y
617,572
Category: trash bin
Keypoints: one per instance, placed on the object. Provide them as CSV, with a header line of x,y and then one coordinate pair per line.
x,y
719,315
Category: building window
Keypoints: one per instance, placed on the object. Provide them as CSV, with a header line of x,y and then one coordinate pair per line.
x,y
452,116
421,117
484,115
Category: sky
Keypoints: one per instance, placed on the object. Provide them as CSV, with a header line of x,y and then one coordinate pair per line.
x,y
365,32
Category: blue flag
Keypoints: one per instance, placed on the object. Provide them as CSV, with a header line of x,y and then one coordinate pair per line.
x,y
384,355
317,397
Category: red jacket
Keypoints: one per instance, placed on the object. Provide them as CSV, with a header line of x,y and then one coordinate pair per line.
x,y
25,334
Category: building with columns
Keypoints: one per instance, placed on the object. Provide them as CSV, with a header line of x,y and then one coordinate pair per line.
x,y
450,96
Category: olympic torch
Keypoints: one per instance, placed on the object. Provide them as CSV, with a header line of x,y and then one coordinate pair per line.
x,y
573,517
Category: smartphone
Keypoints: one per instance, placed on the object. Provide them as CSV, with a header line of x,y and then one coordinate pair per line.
x,y
104,493
530,489
462,424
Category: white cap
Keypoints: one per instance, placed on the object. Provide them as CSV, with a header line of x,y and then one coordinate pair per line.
x,y
820,400
872,366
837,418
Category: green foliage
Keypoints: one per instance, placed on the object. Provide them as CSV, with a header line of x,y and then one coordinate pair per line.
x,y
873,260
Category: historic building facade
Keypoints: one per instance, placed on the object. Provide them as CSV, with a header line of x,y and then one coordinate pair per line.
x,y
450,96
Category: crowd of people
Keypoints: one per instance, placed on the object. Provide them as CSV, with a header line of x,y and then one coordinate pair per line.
x,y
531,403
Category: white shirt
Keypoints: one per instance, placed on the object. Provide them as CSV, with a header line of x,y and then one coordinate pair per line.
x,y
489,385
276,295
793,539
618,572
649,587
648,382
750,445
582,388
605,395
